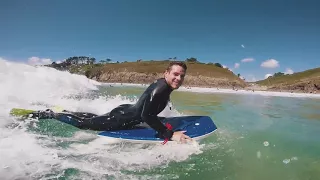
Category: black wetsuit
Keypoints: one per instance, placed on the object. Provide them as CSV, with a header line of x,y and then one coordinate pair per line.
x,y
150,104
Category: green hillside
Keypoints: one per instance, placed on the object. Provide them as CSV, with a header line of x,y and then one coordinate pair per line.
x,y
150,67
198,74
308,75
145,71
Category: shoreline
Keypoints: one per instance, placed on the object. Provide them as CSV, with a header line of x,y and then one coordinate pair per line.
x,y
226,91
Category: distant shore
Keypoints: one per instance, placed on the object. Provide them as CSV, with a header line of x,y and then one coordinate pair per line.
x,y
225,90
200,75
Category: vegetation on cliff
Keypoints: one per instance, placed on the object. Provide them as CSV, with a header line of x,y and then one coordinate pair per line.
x,y
198,74
306,81
145,71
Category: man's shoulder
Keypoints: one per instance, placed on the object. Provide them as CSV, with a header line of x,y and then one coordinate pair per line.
x,y
160,81
158,85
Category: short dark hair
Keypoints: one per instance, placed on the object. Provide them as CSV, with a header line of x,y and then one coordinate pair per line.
x,y
179,63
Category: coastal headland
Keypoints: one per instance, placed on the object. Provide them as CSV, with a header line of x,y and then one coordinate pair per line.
x,y
207,75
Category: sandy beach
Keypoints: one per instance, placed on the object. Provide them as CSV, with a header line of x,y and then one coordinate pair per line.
x,y
218,90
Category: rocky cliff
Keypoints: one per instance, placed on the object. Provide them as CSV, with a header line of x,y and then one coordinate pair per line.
x,y
306,86
147,78
198,75
304,82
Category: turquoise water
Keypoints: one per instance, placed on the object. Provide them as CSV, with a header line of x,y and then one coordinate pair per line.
x,y
258,137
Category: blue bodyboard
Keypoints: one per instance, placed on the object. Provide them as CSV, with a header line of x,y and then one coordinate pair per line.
x,y
195,127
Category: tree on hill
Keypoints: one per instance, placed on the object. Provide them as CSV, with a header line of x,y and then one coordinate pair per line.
x,y
80,60
218,65
278,74
192,59
174,58
92,60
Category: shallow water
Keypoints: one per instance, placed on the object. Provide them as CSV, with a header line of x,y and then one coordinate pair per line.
x,y
258,137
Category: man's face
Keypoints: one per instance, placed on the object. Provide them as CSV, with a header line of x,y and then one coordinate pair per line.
x,y
175,77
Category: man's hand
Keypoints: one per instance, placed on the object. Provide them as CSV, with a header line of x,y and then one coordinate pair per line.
x,y
178,136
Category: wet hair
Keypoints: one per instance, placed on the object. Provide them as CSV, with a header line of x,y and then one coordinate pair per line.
x,y
179,63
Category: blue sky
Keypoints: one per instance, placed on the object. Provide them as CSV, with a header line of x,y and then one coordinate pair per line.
x,y
224,31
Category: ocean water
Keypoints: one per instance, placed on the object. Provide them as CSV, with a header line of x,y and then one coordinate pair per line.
x,y
259,136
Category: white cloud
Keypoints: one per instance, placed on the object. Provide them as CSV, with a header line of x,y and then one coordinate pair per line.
x,y
38,61
58,62
270,63
236,65
46,61
33,60
247,60
288,71
267,75
242,46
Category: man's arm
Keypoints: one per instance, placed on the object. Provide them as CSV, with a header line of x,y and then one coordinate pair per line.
x,y
152,119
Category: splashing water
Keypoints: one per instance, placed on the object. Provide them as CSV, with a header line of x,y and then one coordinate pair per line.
x,y
49,149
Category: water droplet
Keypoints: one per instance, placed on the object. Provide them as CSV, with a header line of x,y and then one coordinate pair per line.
x,y
266,143
258,154
286,161
294,158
